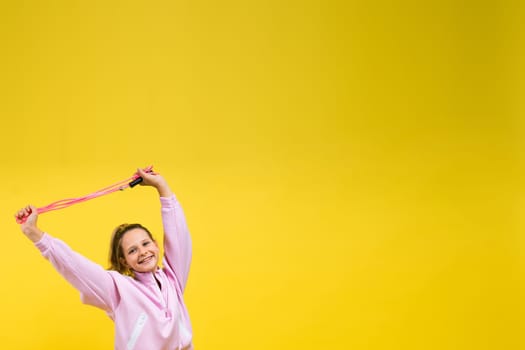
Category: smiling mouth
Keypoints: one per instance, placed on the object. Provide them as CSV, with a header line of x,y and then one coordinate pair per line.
x,y
145,260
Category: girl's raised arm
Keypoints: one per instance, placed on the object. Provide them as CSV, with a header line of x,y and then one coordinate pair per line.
x,y
95,284
177,240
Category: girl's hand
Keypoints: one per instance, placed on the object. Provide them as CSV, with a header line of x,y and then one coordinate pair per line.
x,y
155,180
29,226
150,178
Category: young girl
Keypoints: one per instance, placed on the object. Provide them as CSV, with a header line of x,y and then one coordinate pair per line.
x,y
144,301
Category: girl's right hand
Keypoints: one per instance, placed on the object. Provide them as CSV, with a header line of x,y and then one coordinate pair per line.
x,y
28,217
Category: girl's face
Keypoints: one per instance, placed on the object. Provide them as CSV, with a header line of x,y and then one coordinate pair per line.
x,y
141,253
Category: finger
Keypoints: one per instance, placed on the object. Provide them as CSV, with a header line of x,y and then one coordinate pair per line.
x,y
147,170
141,172
21,217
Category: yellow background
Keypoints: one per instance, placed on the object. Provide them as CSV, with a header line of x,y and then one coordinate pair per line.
x,y
350,170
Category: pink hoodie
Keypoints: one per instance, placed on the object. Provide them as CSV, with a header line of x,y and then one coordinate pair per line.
x,y
146,317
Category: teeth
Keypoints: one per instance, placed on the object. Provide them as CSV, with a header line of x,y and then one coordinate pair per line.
x,y
146,259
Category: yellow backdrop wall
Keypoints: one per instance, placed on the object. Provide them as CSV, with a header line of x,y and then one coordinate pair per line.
x,y
350,171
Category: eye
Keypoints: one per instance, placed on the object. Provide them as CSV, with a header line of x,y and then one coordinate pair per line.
x,y
131,251
146,243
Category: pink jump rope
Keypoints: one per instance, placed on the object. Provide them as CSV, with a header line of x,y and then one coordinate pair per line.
x,y
64,203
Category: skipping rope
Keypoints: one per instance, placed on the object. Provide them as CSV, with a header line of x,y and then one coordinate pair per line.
x,y
64,203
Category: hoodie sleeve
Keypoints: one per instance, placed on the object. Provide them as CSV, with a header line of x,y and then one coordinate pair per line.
x,y
177,240
96,285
